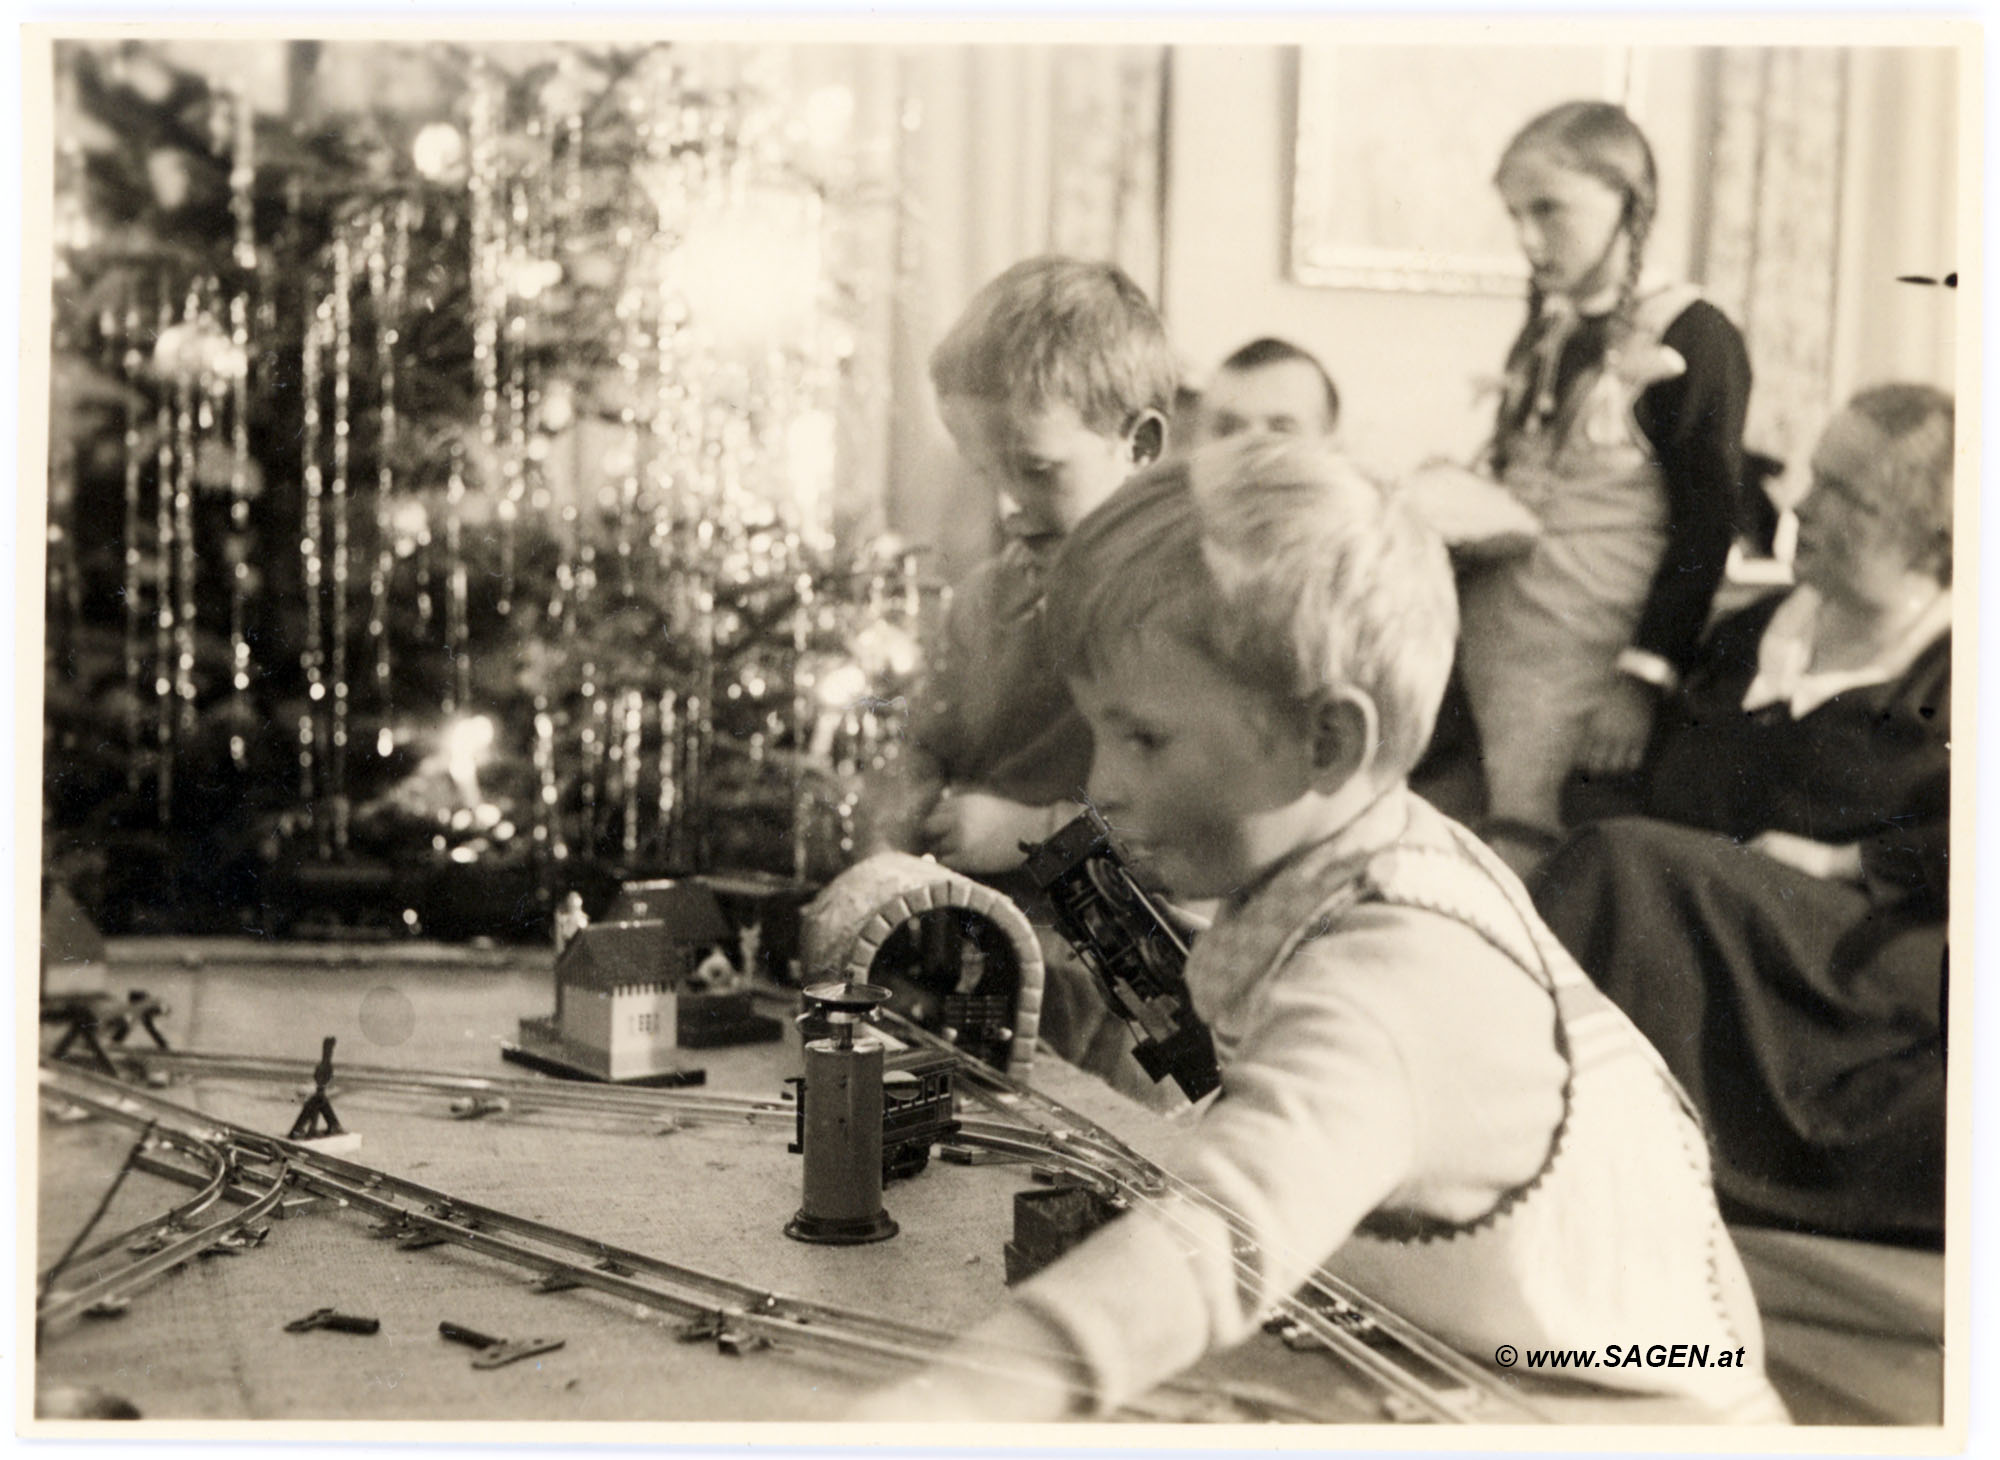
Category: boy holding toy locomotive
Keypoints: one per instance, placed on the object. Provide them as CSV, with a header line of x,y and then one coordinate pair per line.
x,y
1054,383
1420,1090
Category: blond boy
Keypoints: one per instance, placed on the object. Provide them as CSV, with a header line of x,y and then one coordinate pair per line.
x,y
1055,384
1420,1089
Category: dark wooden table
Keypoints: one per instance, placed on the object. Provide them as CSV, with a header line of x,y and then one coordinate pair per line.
x,y
1853,1335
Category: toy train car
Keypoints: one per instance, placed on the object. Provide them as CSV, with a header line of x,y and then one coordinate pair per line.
x,y
919,1108
1129,947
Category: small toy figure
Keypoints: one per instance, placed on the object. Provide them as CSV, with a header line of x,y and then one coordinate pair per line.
x,y
715,974
571,919
87,1017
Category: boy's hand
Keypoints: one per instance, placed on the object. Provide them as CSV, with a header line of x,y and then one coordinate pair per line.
x,y
944,1393
1012,1369
1194,918
896,804
1614,743
980,833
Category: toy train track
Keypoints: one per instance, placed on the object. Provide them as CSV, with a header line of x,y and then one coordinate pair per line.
x,y
1435,1380
100,1278
465,1095
1420,1377
247,1166
1069,1152
480,1094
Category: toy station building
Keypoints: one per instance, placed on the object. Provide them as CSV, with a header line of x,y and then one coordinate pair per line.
x,y
629,993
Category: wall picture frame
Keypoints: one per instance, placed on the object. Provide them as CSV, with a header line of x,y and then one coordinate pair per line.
x,y
1395,151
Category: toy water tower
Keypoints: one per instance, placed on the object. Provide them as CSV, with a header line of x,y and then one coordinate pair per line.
x,y
840,1120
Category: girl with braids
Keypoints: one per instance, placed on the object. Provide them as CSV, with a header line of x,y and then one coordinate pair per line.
x,y
1620,428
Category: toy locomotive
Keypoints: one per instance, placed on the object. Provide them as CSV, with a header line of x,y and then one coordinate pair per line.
x,y
1129,946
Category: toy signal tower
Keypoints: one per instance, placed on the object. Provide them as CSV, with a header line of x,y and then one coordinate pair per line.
x,y
840,1120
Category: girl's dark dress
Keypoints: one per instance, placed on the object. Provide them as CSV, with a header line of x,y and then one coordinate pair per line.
x,y
1803,1015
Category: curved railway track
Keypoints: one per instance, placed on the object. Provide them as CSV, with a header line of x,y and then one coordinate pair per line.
x,y
1433,1379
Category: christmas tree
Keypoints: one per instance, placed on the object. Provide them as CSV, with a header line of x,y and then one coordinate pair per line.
x,y
441,491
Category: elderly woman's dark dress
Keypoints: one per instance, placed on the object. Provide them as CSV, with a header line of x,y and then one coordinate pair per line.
x,y
1802,1013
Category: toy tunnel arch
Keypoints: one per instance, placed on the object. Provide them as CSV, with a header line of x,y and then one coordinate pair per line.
x,y
889,914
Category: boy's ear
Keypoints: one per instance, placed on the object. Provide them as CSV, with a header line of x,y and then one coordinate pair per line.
x,y
1147,438
1346,738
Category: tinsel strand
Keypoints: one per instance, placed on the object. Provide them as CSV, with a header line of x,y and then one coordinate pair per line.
x,y
190,406
628,416
514,466
163,584
134,363
343,386
386,320
487,245
457,647
669,808
635,726
243,212
311,536
238,553
803,701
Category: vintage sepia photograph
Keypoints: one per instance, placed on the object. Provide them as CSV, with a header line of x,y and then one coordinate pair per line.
x,y
813,723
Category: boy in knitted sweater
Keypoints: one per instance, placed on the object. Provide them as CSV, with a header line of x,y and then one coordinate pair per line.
x,y
1421,1091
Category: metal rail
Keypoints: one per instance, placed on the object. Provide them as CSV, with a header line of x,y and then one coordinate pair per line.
x,y
1091,1145
688,1106
1029,1126
212,1189
105,1283
722,1304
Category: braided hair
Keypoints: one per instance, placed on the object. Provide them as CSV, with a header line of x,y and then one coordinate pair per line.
x,y
1598,139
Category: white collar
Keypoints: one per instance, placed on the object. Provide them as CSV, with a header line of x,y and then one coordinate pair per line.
x,y
1605,300
1784,654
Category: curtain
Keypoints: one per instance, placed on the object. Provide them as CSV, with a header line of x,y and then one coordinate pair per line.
x,y
1772,240
1900,219
1001,152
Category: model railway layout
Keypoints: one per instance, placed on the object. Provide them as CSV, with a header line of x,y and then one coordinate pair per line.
x,y
1415,1376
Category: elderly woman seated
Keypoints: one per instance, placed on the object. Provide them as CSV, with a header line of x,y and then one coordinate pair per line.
x,y
1776,924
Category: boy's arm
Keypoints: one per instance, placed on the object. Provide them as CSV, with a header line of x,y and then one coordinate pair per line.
x,y
1398,1052
980,833
1013,1369
1316,1126
897,800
